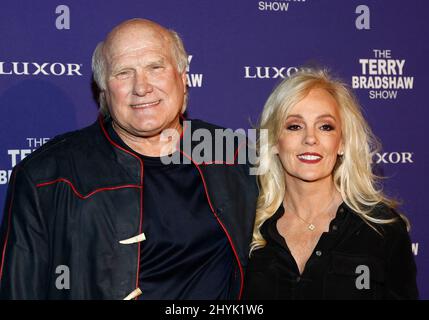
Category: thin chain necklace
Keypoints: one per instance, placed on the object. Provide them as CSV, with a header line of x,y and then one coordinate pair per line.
x,y
310,225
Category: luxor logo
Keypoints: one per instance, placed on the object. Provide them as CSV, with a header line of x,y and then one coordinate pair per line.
x,y
35,68
258,72
394,157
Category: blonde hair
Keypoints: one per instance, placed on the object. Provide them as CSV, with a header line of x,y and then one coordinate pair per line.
x,y
353,176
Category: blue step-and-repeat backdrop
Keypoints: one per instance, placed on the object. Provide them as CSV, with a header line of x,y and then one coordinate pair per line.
x,y
238,50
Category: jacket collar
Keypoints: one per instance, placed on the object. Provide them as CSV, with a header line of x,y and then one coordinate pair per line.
x,y
127,158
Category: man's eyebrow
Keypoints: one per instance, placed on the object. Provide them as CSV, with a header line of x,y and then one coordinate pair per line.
x,y
117,67
157,61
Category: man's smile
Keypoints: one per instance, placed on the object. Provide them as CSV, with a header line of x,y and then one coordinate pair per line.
x,y
145,105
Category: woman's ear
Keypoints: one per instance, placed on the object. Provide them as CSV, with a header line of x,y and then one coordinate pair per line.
x,y
275,149
341,150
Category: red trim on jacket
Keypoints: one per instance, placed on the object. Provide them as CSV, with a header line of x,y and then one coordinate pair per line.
x,y
206,192
9,216
210,202
220,222
100,120
44,184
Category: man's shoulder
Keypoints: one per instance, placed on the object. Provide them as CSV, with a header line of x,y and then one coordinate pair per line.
x,y
227,146
215,130
200,124
61,147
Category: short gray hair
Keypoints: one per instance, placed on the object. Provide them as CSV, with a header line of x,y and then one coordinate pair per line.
x,y
99,66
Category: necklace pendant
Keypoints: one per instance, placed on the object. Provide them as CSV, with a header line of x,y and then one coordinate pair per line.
x,y
311,227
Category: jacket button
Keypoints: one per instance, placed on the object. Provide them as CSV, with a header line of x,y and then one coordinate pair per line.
x,y
318,253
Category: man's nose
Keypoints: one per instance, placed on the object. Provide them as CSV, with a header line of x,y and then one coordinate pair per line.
x,y
142,85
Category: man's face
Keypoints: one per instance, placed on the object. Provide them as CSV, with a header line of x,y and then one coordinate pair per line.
x,y
144,90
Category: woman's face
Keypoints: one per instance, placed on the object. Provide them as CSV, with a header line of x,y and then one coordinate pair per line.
x,y
311,138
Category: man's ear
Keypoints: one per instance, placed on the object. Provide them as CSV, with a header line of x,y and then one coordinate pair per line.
x,y
102,96
184,80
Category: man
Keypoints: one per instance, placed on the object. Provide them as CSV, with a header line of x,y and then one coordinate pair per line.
x,y
100,214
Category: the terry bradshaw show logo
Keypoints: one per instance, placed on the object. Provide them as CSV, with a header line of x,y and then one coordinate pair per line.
x,y
193,80
383,75
16,155
278,5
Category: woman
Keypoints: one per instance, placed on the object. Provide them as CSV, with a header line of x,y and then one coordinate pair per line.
x,y
323,229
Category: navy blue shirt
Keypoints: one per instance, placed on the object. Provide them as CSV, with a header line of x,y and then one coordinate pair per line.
x,y
186,254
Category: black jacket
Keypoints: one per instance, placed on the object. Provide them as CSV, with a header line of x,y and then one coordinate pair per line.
x,y
341,260
70,203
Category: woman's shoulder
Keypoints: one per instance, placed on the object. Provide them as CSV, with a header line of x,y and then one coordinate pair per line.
x,y
391,221
386,212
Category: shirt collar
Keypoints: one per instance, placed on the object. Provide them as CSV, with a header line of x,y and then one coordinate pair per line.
x,y
270,233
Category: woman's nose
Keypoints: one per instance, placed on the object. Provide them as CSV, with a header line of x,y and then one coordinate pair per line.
x,y
310,137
